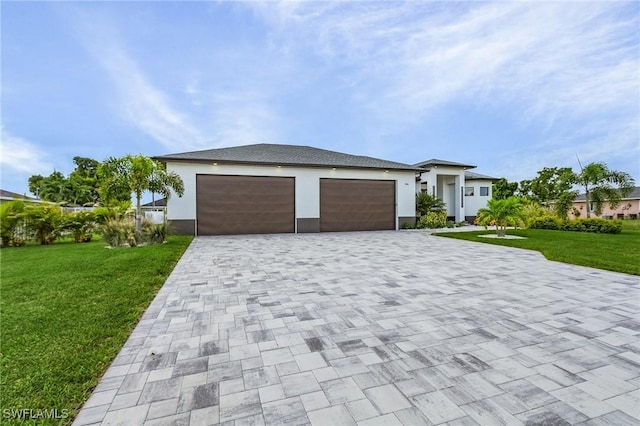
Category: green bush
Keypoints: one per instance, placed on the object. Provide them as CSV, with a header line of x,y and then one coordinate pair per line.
x,y
11,223
44,221
432,220
533,211
408,225
428,203
81,225
546,222
602,226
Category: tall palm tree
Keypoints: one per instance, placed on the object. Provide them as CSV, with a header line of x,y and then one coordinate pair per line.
x,y
503,213
601,184
138,174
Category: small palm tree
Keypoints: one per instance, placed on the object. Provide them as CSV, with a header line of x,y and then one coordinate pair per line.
x,y
503,213
138,174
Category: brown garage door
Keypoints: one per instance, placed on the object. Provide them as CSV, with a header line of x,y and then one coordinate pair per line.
x,y
357,205
244,204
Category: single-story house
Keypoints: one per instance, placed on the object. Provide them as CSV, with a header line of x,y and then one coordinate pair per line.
x,y
269,188
14,196
462,191
629,207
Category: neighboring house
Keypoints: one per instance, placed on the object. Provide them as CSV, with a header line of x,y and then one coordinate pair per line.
x,y
462,191
14,196
629,207
267,188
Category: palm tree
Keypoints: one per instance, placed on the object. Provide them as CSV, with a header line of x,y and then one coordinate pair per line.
x,y
138,174
601,184
503,213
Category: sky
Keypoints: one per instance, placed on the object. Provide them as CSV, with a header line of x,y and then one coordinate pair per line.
x,y
510,87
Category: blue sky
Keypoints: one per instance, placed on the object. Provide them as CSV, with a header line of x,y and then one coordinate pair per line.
x,y
509,87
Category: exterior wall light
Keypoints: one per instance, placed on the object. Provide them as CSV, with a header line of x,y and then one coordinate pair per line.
x,y
215,164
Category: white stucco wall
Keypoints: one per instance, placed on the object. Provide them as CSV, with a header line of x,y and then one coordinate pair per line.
x,y
475,203
447,182
307,181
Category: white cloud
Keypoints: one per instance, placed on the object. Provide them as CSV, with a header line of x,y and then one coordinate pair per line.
x,y
138,101
568,69
21,155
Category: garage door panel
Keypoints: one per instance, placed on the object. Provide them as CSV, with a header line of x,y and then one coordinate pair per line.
x,y
357,205
245,204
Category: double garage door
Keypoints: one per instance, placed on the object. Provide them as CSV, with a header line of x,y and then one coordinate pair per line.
x,y
265,205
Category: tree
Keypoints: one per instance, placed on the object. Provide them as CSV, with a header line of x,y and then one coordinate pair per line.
x,y
504,189
137,174
54,188
503,213
551,184
603,185
80,187
84,180
428,203
35,184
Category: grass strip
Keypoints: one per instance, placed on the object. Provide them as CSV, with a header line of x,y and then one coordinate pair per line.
x,y
66,311
613,252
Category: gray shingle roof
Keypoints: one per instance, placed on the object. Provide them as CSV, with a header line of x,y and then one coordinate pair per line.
x,y
435,162
13,195
477,176
285,155
633,196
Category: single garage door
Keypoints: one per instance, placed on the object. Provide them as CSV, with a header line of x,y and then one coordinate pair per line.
x,y
244,204
357,205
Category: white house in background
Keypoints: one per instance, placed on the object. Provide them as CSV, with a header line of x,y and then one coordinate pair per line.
x,y
268,188
462,191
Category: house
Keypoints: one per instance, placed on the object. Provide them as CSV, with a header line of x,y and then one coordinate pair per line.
x,y
629,207
462,191
14,196
269,188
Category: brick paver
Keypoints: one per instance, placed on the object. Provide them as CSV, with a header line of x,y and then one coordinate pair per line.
x,y
377,328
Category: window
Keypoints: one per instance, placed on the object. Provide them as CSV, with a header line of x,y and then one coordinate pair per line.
x,y
484,191
468,191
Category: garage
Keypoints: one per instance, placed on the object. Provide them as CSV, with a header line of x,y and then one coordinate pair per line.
x,y
227,205
357,205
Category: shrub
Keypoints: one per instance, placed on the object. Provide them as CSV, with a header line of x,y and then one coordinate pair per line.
x,y
408,225
546,222
533,211
154,233
81,225
428,203
120,232
432,220
44,221
11,223
601,226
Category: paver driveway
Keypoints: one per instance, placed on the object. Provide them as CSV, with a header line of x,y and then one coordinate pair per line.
x,y
377,328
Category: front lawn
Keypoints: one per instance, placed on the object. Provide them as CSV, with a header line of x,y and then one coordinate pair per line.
x,y
620,253
66,310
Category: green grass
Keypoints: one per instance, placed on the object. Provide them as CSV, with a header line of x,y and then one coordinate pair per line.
x,y
66,310
613,252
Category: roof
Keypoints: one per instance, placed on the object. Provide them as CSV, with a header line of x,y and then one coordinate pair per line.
x,y
285,155
477,176
9,195
434,162
162,202
635,194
